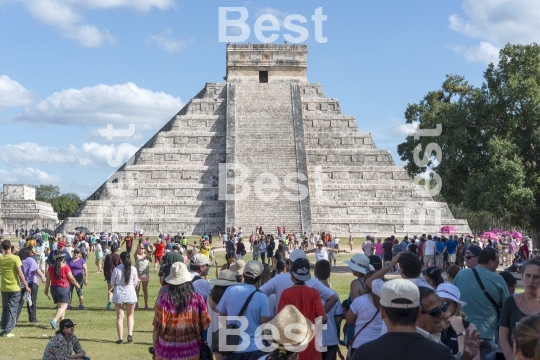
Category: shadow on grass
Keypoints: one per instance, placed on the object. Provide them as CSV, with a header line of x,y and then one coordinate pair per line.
x,y
82,340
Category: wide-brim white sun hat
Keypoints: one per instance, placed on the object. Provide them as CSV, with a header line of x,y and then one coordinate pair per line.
x,y
450,292
179,274
360,263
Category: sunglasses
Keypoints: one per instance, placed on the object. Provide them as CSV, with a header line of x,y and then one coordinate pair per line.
x,y
469,257
437,312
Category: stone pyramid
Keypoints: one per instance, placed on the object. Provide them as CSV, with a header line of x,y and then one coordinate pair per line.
x,y
266,148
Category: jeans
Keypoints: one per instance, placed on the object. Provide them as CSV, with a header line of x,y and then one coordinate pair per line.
x,y
10,305
31,309
488,349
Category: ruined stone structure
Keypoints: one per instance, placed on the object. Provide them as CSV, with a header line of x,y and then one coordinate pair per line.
x,y
292,158
19,209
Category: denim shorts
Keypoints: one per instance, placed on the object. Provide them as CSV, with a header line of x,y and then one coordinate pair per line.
x,y
60,294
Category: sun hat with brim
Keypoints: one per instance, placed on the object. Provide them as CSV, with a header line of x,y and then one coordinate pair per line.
x,y
450,292
225,278
360,263
238,267
400,294
302,331
320,242
179,274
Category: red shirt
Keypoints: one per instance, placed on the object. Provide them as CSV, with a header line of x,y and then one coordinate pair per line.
x,y
129,241
63,281
159,249
308,301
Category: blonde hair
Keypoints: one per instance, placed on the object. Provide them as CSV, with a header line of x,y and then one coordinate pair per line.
x,y
526,335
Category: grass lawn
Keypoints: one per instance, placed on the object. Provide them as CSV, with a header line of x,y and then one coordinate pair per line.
x,y
96,327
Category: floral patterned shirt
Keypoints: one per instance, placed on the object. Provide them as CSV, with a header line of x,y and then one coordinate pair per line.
x,y
59,348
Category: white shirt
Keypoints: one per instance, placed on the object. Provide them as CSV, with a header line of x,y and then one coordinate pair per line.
x,y
364,310
201,286
281,282
321,254
430,247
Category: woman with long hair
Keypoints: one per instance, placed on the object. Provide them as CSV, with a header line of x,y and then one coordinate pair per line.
x,y
143,273
58,279
80,272
453,319
109,264
123,280
519,306
526,339
180,317
225,279
64,344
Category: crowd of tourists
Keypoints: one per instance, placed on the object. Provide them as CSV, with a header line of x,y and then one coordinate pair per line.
x,y
448,301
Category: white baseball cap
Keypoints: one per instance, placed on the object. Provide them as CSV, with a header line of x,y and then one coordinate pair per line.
x,y
400,289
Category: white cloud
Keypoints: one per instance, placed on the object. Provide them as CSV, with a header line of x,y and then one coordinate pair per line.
x,y
13,94
404,130
66,16
167,42
496,23
89,155
27,175
119,105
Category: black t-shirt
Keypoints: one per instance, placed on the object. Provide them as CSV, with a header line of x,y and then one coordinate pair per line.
x,y
412,248
402,346
449,337
387,247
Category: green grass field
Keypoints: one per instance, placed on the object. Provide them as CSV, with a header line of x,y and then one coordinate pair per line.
x,y
96,326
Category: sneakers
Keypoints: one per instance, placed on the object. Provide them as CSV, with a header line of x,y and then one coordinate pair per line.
x,y
119,342
130,339
10,335
53,324
108,307
69,307
81,307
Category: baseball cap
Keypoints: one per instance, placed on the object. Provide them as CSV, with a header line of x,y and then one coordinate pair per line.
x,y
61,244
300,269
200,259
473,250
253,269
66,323
508,277
400,289
433,272
297,254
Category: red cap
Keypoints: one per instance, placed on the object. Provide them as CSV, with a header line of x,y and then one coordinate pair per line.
x,y
61,244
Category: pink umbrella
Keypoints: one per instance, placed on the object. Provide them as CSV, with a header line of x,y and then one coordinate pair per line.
x,y
496,231
518,235
506,233
469,235
447,229
489,235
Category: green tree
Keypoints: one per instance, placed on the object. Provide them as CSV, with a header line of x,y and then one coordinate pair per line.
x,y
47,192
66,204
489,157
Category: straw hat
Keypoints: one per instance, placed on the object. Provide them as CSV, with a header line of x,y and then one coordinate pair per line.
x,y
303,330
179,274
225,278
150,248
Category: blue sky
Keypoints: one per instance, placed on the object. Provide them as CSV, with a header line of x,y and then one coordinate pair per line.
x,y
69,67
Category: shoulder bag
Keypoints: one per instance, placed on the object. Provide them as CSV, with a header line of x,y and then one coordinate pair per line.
x,y
498,307
231,340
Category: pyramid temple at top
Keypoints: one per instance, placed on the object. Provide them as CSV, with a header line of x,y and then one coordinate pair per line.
x,y
266,148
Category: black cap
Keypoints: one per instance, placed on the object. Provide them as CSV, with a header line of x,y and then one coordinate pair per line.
x,y
300,269
508,277
433,272
66,323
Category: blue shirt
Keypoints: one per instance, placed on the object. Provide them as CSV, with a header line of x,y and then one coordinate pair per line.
x,y
451,246
440,247
231,303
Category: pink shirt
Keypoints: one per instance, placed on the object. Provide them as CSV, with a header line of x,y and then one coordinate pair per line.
x,y
378,248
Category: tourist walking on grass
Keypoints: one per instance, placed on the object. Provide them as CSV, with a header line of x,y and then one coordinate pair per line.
x,y
517,307
80,272
123,280
58,279
180,316
32,274
64,345
109,264
11,278
98,251
142,265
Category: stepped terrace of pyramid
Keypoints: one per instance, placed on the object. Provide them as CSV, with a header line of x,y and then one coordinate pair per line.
x,y
293,160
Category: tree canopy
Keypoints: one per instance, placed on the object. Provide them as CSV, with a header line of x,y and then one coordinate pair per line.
x,y
63,204
489,156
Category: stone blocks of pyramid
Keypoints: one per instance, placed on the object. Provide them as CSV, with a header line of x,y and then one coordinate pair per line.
x,y
307,166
